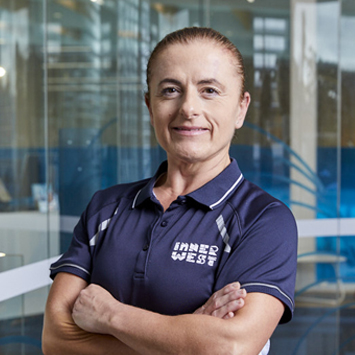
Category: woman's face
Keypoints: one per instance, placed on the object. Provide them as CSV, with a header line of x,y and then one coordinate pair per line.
x,y
194,101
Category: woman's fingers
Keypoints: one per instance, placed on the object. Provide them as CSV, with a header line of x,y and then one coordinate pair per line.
x,y
228,310
225,302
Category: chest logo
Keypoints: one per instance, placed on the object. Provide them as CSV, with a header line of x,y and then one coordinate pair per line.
x,y
195,253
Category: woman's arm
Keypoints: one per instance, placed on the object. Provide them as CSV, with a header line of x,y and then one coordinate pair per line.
x,y
97,311
61,335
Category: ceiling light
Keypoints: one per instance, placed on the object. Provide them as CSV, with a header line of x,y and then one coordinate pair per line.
x,y
2,254
2,72
251,1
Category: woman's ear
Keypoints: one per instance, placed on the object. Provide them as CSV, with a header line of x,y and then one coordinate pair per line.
x,y
243,108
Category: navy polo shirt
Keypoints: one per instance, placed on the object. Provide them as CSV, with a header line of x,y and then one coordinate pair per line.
x,y
171,262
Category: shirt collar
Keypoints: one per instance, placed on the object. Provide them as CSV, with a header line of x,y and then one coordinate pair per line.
x,y
217,191
212,194
147,191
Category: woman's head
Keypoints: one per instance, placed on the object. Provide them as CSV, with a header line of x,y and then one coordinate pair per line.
x,y
190,34
195,96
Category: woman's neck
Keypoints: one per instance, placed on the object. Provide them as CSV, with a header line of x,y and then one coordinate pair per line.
x,y
182,178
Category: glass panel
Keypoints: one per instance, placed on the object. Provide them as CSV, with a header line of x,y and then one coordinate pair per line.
x,y
290,146
23,188
347,207
82,104
347,187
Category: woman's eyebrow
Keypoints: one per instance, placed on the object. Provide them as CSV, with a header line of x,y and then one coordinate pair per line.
x,y
208,81
169,81
211,81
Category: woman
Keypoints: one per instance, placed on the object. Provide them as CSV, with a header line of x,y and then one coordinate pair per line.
x,y
152,262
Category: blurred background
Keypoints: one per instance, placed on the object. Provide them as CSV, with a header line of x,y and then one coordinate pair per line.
x,y
73,120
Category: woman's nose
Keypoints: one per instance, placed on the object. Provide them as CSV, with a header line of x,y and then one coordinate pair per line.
x,y
190,105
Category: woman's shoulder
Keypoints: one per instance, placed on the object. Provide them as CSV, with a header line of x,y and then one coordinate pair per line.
x,y
254,194
122,190
113,195
251,202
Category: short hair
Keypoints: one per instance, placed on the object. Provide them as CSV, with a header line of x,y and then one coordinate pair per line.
x,y
190,34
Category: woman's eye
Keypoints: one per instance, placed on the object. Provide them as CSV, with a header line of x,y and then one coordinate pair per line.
x,y
210,91
169,91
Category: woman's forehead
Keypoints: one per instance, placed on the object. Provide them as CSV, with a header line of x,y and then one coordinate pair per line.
x,y
206,43
199,51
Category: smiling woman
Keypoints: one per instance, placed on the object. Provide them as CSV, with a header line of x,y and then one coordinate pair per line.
x,y
211,267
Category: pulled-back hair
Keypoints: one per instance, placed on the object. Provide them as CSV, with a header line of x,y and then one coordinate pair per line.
x,y
190,34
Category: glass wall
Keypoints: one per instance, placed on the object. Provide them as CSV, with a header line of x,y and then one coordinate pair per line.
x,y
73,120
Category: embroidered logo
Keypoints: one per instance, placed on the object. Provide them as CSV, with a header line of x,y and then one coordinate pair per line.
x,y
195,253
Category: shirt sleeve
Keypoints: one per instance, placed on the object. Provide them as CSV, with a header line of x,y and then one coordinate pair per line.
x,y
77,259
264,258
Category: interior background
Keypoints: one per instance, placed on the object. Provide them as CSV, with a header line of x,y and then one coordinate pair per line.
x,y
73,120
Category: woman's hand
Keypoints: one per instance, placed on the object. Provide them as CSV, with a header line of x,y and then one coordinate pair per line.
x,y
225,302
92,309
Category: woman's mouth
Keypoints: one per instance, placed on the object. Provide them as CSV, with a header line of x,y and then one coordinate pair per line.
x,y
190,131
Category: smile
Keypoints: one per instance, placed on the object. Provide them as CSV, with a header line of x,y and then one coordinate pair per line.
x,y
190,131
